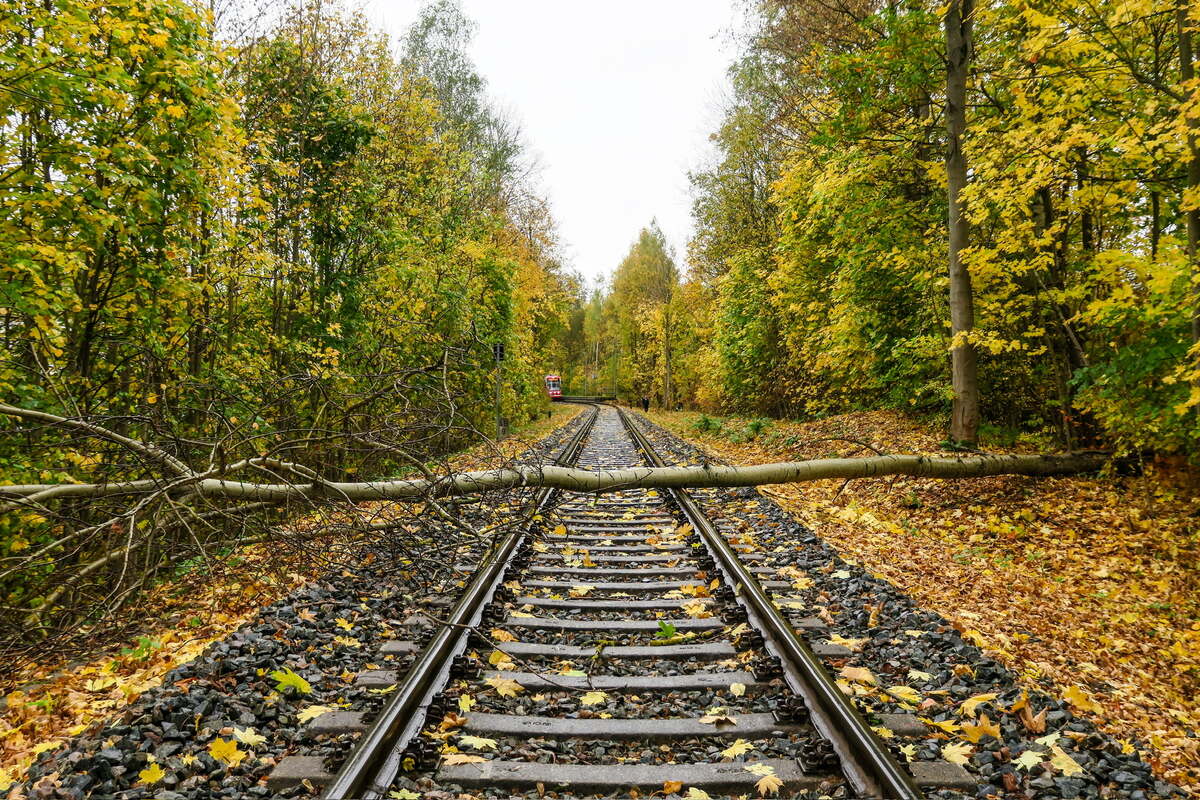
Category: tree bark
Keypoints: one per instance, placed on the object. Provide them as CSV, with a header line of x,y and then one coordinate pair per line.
x,y
1186,73
582,480
964,425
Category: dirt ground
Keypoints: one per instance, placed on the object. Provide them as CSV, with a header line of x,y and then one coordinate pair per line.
x,y
1090,582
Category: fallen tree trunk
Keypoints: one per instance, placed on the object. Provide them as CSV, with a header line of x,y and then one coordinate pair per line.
x,y
580,480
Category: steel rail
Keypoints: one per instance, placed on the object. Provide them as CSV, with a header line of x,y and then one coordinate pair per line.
x,y
376,759
865,760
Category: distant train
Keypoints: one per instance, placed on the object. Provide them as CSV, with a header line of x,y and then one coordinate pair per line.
x,y
553,387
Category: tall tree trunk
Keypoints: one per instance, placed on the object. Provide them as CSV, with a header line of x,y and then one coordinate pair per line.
x,y
1186,73
964,425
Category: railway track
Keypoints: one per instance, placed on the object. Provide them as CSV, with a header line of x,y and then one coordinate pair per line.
x,y
626,646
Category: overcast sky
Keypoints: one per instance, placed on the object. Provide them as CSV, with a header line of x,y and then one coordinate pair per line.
x,y
616,99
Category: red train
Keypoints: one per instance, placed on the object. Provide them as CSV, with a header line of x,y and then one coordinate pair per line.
x,y
553,387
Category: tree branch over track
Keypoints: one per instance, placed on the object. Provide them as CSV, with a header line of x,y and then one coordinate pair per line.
x,y
581,480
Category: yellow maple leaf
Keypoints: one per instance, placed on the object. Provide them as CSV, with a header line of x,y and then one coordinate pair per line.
x,y
957,752
905,693
226,751
737,689
768,784
501,635
478,742
151,774
696,794
1063,762
247,736
344,624
593,698
312,712
985,727
1080,699
452,759
505,687
860,674
739,747
971,703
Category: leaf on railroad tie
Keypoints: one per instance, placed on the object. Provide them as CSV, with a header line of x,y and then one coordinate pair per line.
x,y
452,720
151,774
579,591
738,748
768,784
287,680
477,742
855,645
694,590
696,609
498,657
760,769
501,635
571,672
1029,759
665,630
465,702
312,712
971,703
672,787
521,615
347,641
957,753
344,624
696,794
985,727
860,674
587,559
737,689
559,530
593,698
247,736
454,759
905,693
718,716
505,687
225,751
802,583
1080,699
403,794
1063,762
918,675
540,547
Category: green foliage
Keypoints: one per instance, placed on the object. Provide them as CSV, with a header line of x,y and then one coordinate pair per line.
x,y
821,223
301,239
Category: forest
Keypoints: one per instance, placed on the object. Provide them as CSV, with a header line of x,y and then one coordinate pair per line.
x,y
819,269
262,267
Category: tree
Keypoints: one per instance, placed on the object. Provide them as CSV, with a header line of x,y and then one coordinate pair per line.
x,y
964,425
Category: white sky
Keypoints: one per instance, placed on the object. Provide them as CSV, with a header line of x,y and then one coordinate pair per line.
x,y
616,100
